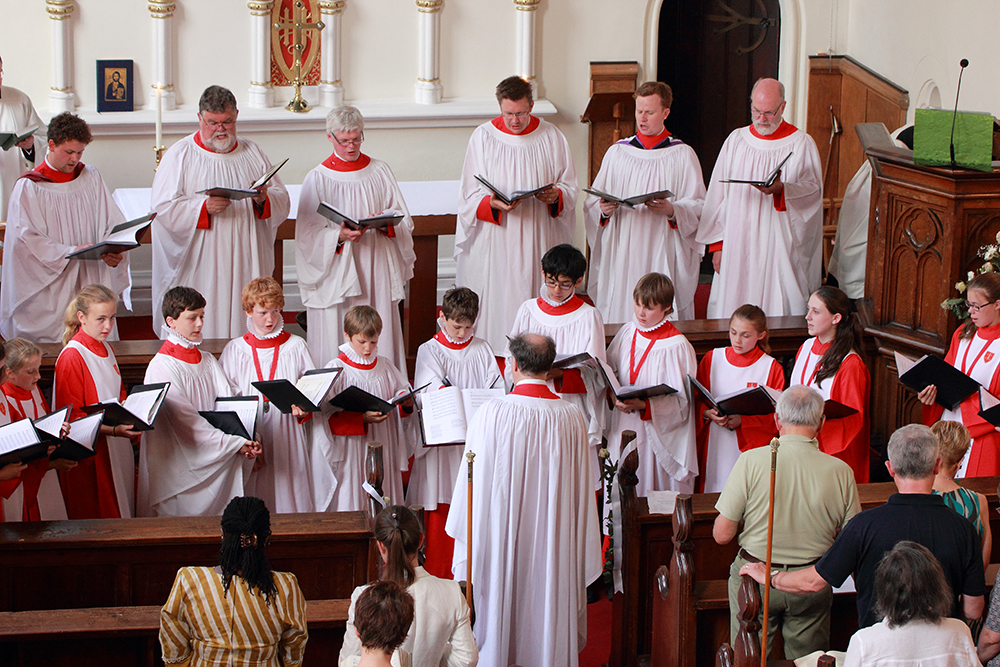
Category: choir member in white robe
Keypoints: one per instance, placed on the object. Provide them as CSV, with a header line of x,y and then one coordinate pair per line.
x,y
213,244
498,247
295,475
536,543
627,243
338,267
55,209
187,467
17,114
767,241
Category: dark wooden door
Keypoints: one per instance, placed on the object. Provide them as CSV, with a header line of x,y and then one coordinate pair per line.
x,y
710,53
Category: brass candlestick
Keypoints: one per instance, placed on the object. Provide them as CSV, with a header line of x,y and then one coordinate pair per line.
x,y
298,25
158,151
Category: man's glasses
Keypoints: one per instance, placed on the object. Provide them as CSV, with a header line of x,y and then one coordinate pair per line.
x,y
349,142
520,115
216,124
764,114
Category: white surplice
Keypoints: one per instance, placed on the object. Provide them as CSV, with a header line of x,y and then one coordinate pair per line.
x,y
468,366
667,443
502,262
770,258
296,476
536,542
237,247
186,466
634,242
17,113
371,272
46,222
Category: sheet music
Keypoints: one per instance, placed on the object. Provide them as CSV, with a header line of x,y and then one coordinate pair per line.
x,y
84,431
315,385
18,435
443,415
903,363
473,399
52,422
143,404
245,409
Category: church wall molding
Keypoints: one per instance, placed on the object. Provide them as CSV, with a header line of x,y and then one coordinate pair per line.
x,y
162,14
428,88
61,94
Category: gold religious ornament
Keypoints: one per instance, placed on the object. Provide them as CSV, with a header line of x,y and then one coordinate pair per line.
x,y
294,39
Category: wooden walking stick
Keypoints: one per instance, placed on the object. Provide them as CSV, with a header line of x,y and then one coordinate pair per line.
x,y
767,558
468,536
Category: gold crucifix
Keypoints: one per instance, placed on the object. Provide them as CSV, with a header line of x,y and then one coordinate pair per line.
x,y
298,25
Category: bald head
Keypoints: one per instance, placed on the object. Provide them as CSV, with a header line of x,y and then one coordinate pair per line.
x,y
767,104
533,355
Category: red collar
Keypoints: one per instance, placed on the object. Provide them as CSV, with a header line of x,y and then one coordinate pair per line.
x,y
91,343
572,304
43,173
441,338
665,330
336,164
743,360
16,392
652,142
187,355
533,390
502,126
267,343
786,129
197,140
989,333
353,364
820,348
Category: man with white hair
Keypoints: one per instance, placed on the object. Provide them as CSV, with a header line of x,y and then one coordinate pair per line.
x,y
766,240
815,496
338,267
214,244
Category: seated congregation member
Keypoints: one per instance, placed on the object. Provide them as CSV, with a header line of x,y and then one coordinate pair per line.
x,y
383,614
339,267
34,495
56,208
815,496
365,369
914,514
954,441
576,327
627,243
646,352
975,352
187,467
830,363
240,612
441,633
913,601
531,560
294,475
744,364
102,486
454,357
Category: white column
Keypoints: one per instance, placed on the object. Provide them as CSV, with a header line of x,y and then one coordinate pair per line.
x,y
428,87
525,40
331,91
162,13
261,92
61,95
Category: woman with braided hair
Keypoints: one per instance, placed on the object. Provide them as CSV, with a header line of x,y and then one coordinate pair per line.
x,y
441,633
240,612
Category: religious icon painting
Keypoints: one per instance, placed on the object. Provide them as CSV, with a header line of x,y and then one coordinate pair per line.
x,y
114,86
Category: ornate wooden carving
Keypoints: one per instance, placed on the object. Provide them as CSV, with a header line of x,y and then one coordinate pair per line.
x,y
724,657
625,618
611,88
747,645
374,472
674,615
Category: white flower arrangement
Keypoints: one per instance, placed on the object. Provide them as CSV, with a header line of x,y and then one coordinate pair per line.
x,y
991,262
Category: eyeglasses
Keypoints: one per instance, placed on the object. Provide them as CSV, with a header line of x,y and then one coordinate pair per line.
x,y
754,111
216,124
519,115
564,284
975,307
349,142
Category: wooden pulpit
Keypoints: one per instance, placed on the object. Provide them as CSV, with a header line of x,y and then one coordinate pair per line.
x,y
926,226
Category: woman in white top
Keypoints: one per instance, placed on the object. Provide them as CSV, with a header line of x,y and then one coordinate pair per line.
x,y
441,633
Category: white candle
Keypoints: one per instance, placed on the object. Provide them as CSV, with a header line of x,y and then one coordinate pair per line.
x,y
159,117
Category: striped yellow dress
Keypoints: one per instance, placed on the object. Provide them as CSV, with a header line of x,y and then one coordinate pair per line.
x,y
202,625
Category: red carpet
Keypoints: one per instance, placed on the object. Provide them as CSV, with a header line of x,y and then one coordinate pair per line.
x,y
597,652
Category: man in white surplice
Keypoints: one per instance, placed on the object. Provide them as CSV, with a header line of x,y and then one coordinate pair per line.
x,y
214,244
17,114
498,247
338,267
766,240
536,543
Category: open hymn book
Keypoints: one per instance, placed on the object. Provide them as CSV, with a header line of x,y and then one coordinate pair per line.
x,y
355,399
235,415
759,400
631,202
139,409
10,139
768,180
239,193
446,413
80,441
123,237
308,393
380,221
517,195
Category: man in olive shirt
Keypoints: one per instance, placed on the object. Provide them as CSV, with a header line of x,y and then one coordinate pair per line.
x,y
815,496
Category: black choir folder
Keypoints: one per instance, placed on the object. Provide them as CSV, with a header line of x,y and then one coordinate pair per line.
x,y
758,400
355,399
517,195
27,440
990,405
953,386
631,202
380,221
768,180
239,193
138,410
10,139
308,393
80,442
123,237
235,415
628,391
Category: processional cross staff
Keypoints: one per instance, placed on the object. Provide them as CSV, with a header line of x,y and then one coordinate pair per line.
x,y
298,26
767,557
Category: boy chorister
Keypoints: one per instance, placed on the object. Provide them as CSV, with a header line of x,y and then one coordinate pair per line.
x,y
576,327
295,475
455,357
187,467
364,369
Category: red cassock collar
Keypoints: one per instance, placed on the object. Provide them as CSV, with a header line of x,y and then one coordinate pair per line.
x,y
336,164
267,343
743,360
197,140
181,353
652,142
665,330
43,173
502,126
441,338
572,304
353,364
786,129
90,343
533,390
